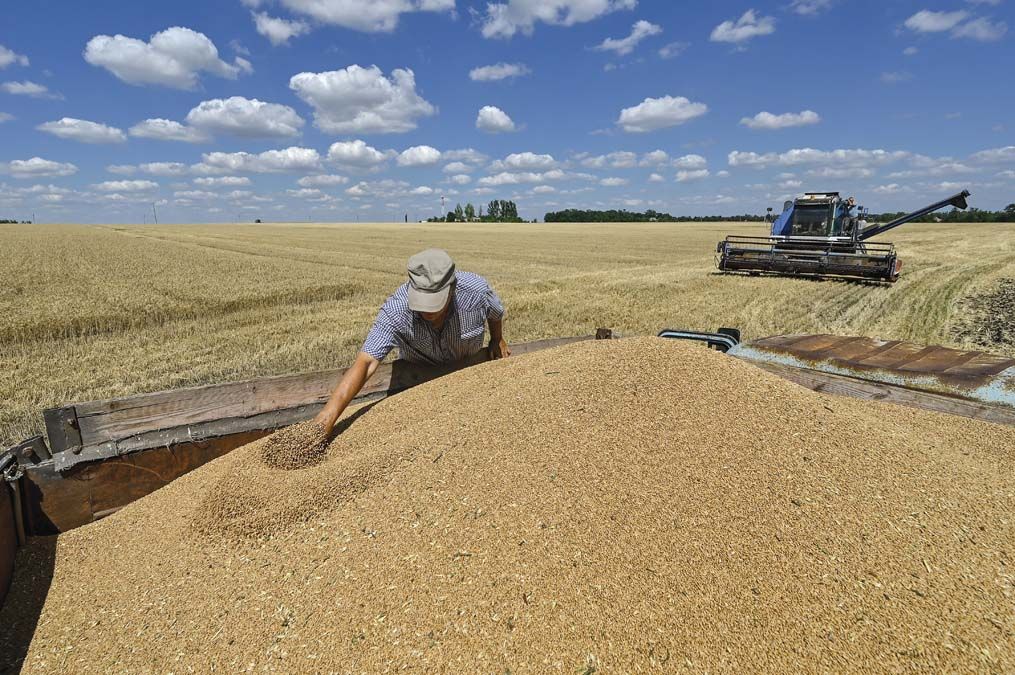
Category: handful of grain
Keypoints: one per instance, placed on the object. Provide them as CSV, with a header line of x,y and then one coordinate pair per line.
x,y
295,447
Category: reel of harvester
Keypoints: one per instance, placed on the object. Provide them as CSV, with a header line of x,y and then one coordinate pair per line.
x,y
822,234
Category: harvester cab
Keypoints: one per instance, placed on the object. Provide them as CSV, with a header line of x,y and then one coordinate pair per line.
x,y
822,234
819,214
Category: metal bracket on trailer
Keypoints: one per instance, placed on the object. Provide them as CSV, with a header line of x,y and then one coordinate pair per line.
x,y
722,340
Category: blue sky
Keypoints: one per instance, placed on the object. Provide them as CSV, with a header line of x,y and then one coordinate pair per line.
x,y
343,110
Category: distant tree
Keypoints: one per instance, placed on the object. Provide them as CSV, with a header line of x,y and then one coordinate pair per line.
x,y
450,218
459,213
493,210
470,212
1010,209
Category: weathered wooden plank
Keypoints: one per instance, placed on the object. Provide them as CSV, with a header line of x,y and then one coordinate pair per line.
x,y
138,420
879,391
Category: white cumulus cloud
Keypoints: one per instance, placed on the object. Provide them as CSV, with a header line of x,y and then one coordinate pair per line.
x,y
498,71
655,158
83,131
1005,154
767,120
288,160
524,161
322,180
673,50
659,113
167,130
173,58
697,174
356,154
690,162
245,117
419,155
126,186
163,168
8,57
29,88
622,46
468,155
222,181
37,167
371,16
519,177
748,26
458,167
613,182
505,19
842,158
493,120
278,31
889,189
927,21
981,30
362,100
810,7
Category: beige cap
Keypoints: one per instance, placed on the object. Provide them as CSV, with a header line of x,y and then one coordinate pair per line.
x,y
431,276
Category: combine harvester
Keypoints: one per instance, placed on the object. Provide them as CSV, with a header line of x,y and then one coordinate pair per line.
x,y
821,234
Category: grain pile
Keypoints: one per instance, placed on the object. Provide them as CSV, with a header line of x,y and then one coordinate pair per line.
x,y
613,506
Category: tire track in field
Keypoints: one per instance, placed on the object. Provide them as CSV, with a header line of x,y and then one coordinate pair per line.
x,y
201,308
276,255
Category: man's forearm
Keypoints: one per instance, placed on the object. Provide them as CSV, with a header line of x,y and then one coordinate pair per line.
x,y
350,385
496,329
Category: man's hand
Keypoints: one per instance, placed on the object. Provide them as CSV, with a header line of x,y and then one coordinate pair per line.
x,y
326,419
499,349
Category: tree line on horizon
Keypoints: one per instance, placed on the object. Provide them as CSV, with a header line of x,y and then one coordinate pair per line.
x,y
497,211
649,216
970,215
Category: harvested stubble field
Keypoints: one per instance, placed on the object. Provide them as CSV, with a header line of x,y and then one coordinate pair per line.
x,y
568,510
92,312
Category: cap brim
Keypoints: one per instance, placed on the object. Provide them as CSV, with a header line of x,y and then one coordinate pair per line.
x,y
420,301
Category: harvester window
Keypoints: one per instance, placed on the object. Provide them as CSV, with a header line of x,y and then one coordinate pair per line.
x,y
811,221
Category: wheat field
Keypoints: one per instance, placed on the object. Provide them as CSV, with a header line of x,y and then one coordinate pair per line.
x,y
91,312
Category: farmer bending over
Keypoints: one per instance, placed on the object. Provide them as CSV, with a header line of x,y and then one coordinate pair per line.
x,y
437,317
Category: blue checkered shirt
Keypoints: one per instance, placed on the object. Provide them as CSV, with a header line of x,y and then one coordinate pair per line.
x,y
473,303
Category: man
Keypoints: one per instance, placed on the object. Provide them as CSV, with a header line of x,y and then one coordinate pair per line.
x,y
437,317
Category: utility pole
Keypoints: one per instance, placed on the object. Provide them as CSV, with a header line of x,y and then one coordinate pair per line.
x,y
155,214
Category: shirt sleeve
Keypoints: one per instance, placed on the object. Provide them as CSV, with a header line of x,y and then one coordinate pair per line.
x,y
381,338
494,307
